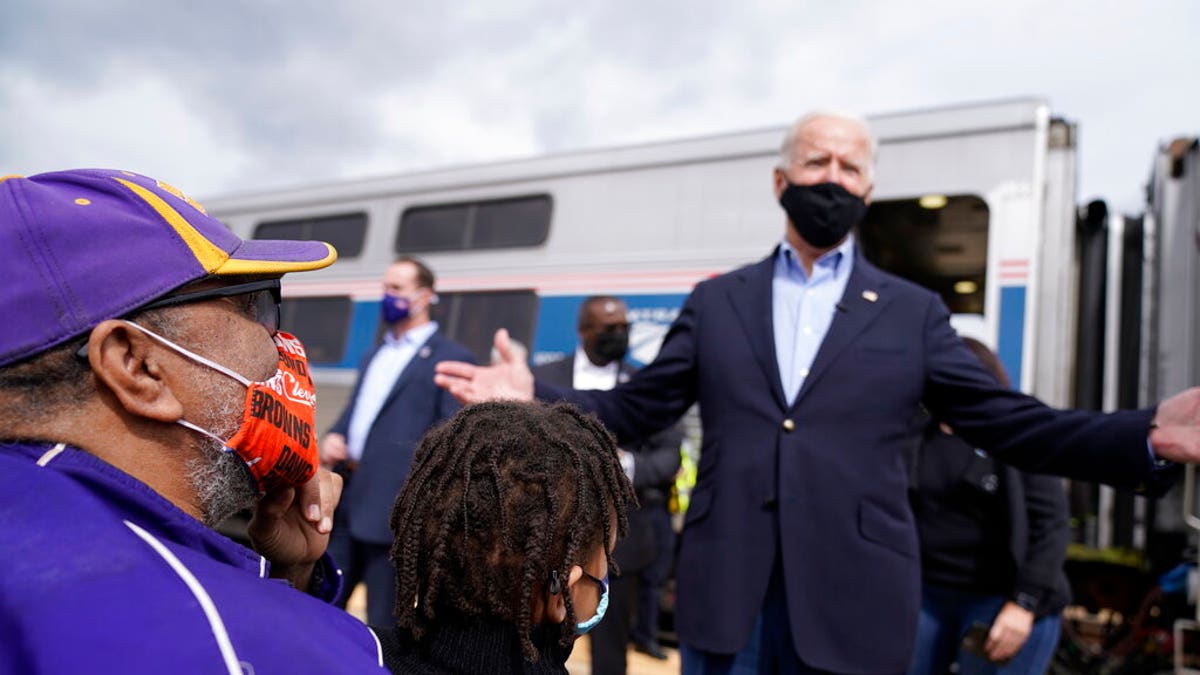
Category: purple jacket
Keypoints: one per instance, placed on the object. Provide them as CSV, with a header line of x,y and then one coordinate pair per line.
x,y
100,574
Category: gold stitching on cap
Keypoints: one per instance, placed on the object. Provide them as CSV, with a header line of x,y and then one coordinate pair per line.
x,y
83,202
179,193
208,254
11,175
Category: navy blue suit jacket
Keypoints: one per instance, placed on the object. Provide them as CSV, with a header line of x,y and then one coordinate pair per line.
x,y
822,484
656,460
414,405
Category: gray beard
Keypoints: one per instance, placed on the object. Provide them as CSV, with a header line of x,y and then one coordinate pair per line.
x,y
221,480
222,483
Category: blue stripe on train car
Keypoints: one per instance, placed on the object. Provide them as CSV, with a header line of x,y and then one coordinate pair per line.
x,y
1011,332
649,315
364,324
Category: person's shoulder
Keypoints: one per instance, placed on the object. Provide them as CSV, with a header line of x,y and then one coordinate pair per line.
x,y
740,274
449,350
32,486
47,529
401,655
554,366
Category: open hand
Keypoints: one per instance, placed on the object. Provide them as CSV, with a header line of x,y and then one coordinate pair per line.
x,y
1177,437
509,378
1009,632
332,449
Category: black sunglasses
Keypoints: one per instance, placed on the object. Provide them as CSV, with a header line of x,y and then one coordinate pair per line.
x,y
266,302
266,305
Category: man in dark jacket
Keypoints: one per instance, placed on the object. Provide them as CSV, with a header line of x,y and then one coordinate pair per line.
x,y
650,463
799,550
371,444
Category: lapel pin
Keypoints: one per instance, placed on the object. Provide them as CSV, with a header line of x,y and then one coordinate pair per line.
x,y
870,296
425,352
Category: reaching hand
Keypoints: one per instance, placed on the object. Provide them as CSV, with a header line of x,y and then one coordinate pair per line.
x,y
1009,632
1177,437
291,526
332,449
509,378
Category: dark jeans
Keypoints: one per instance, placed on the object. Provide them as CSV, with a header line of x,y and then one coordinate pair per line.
x,y
947,615
651,579
366,562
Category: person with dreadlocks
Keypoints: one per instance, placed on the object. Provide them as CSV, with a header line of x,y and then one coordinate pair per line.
x,y
503,540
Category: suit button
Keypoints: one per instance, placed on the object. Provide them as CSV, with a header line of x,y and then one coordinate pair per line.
x,y
789,426
770,503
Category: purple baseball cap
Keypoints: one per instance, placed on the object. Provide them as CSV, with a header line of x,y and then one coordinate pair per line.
x,y
86,245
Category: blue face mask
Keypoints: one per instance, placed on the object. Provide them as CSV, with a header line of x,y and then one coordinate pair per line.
x,y
584,627
395,308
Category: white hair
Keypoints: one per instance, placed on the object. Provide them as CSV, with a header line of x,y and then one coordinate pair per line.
x,y
789,139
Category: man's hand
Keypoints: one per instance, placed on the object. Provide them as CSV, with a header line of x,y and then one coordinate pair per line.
x,y
332,449
291,526
1177,437
509,378
1009,632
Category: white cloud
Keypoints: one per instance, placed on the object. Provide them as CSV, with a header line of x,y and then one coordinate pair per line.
x,y
285,93
137,121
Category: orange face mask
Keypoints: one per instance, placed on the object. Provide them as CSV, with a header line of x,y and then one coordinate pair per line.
x,y
275,439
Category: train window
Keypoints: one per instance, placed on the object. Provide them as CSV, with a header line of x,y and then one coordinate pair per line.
x,y
345,231
321,324
940,243
497,223
472,318
434,228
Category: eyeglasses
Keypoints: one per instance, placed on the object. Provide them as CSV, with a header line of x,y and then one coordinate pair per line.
x,y
267,299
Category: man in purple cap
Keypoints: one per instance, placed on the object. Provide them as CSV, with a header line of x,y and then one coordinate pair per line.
x,y
146,394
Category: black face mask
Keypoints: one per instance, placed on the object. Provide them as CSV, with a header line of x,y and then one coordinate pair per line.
x,y
822,214
612,345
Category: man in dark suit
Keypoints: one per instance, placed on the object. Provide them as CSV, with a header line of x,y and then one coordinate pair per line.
x,y
650,463
371,444
799,551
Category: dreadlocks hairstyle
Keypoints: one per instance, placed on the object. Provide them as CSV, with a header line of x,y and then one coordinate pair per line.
x,y
500,496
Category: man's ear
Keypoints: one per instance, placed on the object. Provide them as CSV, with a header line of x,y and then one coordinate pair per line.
x,y
780,182
130,365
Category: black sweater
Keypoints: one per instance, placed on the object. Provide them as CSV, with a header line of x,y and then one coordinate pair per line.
x,y
472,646
987,527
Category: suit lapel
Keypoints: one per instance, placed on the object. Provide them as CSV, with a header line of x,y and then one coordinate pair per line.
x,y
864,299
751,300
417,364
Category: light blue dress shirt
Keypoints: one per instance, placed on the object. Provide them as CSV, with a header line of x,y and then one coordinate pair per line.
x,y
378,379
802,308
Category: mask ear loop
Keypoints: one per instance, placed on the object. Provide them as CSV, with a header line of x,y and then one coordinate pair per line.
x,y
199,359
191,355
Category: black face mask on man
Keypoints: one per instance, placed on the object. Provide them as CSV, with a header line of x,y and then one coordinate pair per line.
x,y
612,345
822,214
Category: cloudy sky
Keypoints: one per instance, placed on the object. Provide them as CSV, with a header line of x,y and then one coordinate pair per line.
x,y
221,97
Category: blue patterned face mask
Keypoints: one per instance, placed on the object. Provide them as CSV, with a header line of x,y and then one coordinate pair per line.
x,y
584,627
395,308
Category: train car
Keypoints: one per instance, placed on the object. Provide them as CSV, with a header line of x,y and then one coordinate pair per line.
x,y
975,201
